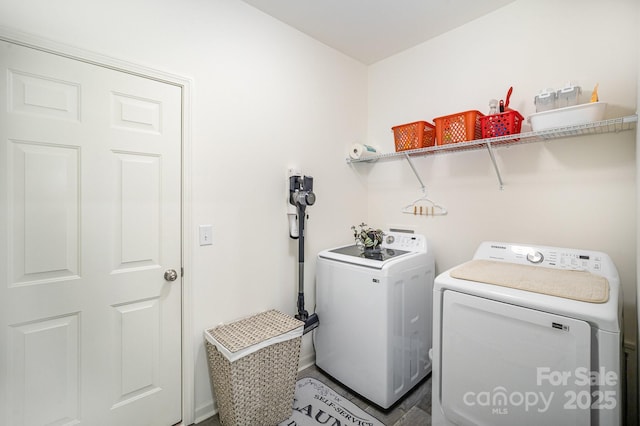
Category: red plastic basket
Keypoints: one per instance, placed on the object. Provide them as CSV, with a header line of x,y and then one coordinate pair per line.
x,y
503,124
460,127
419,134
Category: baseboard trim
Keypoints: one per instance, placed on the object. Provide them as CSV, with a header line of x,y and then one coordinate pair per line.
x,y
307,361
203,412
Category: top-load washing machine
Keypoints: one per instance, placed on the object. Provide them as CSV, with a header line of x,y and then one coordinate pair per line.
x,y
528,335
375,316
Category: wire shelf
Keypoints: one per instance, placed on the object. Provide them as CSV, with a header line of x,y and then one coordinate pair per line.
x,y
613,125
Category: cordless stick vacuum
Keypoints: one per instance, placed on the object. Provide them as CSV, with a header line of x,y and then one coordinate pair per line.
x,y
301,195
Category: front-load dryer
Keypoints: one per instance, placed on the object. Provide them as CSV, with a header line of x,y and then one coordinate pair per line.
x,y
528,335
375,316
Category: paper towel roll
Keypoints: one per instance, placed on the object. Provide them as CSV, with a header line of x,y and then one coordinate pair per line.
x,y
360,151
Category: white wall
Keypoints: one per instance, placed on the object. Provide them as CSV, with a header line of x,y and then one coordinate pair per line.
x,y
265,97
576,192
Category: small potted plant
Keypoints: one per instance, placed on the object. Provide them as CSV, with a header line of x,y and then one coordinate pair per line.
x,y
367,238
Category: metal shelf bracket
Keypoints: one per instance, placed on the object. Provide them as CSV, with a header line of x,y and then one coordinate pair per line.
x,y
415,172
495,166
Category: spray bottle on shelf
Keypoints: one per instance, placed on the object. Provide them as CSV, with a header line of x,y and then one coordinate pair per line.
x,y
493,106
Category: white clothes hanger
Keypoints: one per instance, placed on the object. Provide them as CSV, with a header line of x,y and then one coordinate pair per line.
x,y
423,206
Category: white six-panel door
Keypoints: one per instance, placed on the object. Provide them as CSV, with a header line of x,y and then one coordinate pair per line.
x,y
90,330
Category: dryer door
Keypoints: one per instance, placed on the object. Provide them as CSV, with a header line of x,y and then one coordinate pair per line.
x,y
507,365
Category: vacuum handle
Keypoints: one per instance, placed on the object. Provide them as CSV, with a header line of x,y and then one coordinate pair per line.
x,y
301,220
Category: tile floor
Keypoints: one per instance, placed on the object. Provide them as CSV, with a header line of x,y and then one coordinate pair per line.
x,y
412,410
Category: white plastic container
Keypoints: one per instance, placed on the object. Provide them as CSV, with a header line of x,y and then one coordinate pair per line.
x,y
569,116
545,100
569,95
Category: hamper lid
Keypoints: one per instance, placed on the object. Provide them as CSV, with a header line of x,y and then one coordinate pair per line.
x,y
249,335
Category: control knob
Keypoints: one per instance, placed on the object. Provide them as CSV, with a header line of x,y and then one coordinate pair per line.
x,y
535,257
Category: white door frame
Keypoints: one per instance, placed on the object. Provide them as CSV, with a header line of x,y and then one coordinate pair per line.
x,y
185,84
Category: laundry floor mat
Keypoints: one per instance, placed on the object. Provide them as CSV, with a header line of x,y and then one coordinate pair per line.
x,y
317,404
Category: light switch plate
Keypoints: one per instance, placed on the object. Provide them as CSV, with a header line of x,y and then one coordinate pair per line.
x,y
206,235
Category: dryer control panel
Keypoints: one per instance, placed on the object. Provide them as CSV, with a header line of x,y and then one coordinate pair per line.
x,y
404,241
550,257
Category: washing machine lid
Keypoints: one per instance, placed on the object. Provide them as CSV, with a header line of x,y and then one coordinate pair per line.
x,y
354,255
397,246
381,255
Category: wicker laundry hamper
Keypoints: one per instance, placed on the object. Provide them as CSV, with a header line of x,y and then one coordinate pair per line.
x,y
253,365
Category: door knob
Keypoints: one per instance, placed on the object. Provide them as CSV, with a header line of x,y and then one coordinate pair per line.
x,y
170,275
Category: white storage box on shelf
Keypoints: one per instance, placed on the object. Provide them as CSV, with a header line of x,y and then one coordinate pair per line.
x,y
546,100
568,96
569,116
